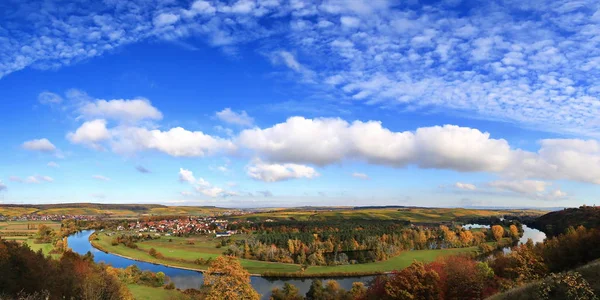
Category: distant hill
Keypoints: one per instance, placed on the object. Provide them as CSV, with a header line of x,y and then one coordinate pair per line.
x,y
116,210
557,222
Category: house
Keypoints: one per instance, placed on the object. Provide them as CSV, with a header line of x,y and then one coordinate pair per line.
x,y
223,234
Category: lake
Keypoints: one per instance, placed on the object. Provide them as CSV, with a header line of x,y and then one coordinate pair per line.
x,y
185,279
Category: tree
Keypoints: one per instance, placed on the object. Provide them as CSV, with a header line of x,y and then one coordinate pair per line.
x,y
414,282
514,232
358,290
226,279
498,232
288,292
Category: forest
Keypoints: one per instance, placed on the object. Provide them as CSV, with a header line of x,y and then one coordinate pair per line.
x,y
545,269
339,242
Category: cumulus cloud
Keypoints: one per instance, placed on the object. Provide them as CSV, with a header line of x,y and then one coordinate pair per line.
x,y
327,140
42,145
360,175
101,178
186,176
121,110
229,116
278,172
53,165
49,98
90,133
202,186
465,186
176,141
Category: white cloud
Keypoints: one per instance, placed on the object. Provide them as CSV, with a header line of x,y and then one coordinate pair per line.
x,y
325,141
165,19
465,186
186,176
177,141
279,172
90,133
53,165
360,175
3,186
202,186
128,111
187,193
49,98
101,178
351,22
42,145
228,116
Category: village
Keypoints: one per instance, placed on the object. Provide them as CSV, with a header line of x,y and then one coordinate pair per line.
x,y
182,227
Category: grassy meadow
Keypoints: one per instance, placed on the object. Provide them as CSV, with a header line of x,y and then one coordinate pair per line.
x,y
142,292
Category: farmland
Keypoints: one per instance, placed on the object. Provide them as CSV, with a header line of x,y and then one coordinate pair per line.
x,y
412,214
24,232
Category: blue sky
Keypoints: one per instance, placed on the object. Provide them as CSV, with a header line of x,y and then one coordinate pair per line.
x,y
290,103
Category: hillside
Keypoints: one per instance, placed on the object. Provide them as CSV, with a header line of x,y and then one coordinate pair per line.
x,y
113,210
412,214
590,272
557,222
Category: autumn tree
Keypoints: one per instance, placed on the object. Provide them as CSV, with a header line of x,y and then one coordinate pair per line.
x,y
226,279
514,232
414,282
498,232
288,292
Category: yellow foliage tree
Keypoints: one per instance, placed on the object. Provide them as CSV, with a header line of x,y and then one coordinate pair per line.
x,y
498,232
226,279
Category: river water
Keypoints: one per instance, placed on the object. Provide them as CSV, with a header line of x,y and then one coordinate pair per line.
x,y
185,279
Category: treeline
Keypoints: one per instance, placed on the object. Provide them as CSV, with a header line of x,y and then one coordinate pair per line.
x,y
557,222
350,241
26,273
462,277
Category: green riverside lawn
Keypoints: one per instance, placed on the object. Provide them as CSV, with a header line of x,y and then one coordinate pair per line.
x,y
183,256
142,292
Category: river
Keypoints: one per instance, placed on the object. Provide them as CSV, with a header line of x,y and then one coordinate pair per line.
x,y
185,279
528,233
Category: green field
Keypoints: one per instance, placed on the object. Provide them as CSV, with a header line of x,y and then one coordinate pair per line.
x,y
142,292
178,253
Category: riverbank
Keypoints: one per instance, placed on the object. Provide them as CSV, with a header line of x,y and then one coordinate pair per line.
x,y
274,269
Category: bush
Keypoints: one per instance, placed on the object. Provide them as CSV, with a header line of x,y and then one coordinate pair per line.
x,y
170,286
